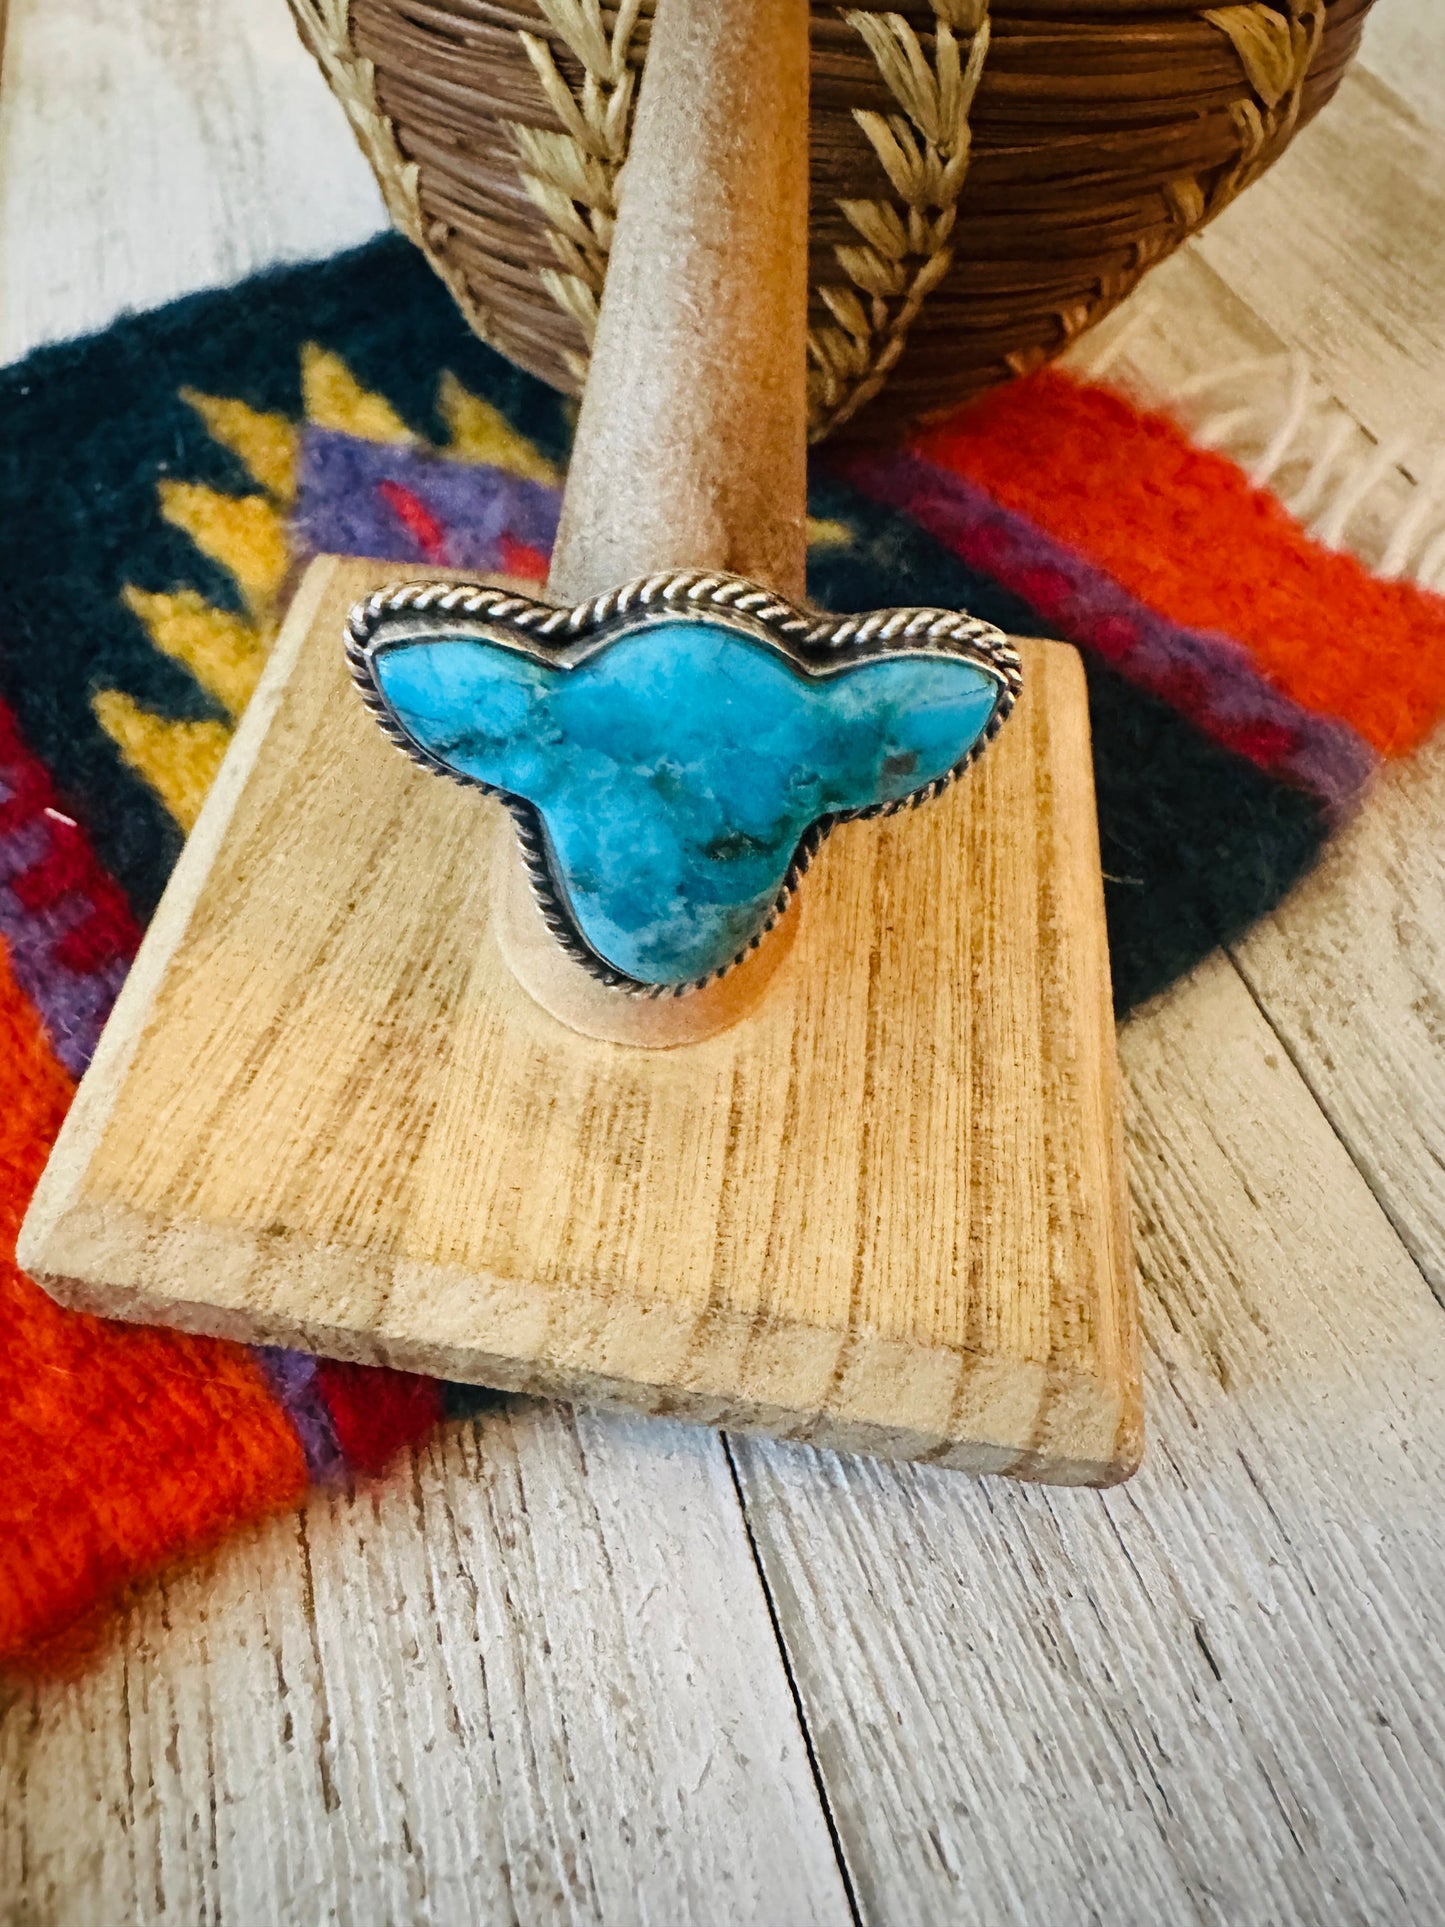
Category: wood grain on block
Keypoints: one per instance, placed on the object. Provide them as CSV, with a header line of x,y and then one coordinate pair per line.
x,y
583,1003
883,1211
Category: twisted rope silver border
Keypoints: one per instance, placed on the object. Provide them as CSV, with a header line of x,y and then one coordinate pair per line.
x,y
815,643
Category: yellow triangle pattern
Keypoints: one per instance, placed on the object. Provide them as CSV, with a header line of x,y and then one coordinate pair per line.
x,y
178,760
247,536
268,446
334,398
224,652
481,433
244,533
823,533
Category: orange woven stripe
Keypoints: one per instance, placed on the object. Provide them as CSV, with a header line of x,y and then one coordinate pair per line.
x,y
121,1448
1188,533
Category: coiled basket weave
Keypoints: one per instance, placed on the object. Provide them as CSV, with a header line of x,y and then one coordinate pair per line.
x,y
988,180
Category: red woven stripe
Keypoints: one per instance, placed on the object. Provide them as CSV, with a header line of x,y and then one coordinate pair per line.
x,y
376,1411
417,519
121,1448
521,559
1186,532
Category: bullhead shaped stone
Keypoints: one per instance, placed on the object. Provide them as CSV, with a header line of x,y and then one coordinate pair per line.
x,y
674,753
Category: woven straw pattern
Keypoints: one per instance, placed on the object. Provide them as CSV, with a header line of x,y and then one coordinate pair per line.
x,y
987,180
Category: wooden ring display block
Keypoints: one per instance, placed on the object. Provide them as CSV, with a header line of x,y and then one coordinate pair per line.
x,y
884,1211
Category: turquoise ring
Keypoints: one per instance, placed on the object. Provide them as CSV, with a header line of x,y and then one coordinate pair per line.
x,y
674,752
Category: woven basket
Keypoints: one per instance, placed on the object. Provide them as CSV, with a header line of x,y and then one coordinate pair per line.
x,y
987,182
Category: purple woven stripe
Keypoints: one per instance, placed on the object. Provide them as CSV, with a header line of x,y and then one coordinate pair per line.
x,y
73,1007
292,1379
340,509
1207,676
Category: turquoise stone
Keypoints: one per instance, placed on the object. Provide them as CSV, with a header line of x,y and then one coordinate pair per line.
x,y
676,769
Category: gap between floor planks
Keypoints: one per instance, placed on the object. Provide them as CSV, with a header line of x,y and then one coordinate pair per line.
x,y
1002,1852
1349,970
1210,1695
1226,1735
287,1694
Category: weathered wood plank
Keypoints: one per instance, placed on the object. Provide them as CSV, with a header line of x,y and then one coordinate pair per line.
x,y
535,1679
1351,975
1014,1601
1357,287
533,1682
1349,971
148,149
1209,1696
1404,47
1214,1694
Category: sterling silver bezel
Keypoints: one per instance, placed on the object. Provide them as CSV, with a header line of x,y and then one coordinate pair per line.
x,y
815,645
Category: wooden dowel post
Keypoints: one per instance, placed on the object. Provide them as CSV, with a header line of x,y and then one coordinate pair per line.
x,y
691,445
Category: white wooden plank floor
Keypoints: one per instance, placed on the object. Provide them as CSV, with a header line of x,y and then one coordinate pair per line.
x,y
573,1669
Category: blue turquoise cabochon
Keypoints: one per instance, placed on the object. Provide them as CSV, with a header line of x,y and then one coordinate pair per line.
x,y
676,767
